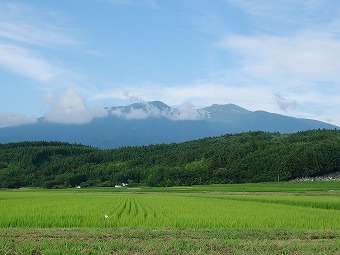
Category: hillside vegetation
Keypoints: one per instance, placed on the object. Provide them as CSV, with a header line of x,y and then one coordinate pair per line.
x,y
238,158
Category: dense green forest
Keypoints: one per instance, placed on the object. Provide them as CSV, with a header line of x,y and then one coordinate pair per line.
x,y
237,158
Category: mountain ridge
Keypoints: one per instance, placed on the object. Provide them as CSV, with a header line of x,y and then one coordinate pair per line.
x,y
155,122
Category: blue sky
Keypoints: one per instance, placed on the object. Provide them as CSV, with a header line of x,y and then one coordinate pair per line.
x,y
66,60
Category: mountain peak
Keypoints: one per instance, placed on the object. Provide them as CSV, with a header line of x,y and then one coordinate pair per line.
x,y
160,105
142,105
155,109
231,108
226,113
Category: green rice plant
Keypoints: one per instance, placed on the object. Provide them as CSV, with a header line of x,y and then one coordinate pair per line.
x,y
69,209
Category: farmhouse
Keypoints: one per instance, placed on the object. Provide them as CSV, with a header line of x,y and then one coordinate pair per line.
x,y
121,186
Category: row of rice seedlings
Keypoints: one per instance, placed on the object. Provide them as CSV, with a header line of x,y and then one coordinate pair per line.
x,y
152,212
121,209
131,211
142,209
126,213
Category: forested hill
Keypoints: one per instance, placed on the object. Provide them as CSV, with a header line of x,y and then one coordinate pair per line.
x,y
245,157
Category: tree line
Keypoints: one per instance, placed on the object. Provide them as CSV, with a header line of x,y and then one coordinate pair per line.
x,y
232,158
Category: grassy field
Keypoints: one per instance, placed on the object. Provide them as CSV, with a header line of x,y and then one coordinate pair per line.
x,y
265,218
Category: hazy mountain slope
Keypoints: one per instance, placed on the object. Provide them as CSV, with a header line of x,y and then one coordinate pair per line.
x,y
111,132
155,122
238,119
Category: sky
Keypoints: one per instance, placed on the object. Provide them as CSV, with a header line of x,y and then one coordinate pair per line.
x,y
67,60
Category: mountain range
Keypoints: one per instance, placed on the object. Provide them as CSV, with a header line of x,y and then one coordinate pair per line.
x,y
155,122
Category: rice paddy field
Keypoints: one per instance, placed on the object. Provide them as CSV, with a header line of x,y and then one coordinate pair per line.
x,y
265,218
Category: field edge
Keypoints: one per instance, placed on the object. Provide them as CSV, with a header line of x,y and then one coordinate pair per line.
x,y
142,240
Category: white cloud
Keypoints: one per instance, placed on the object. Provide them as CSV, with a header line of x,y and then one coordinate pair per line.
x,y
310,14
303,56
24,62
133,98
285,103
48,36
25,24
25,33
71,109
186,111
136,114
11,119
293,48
